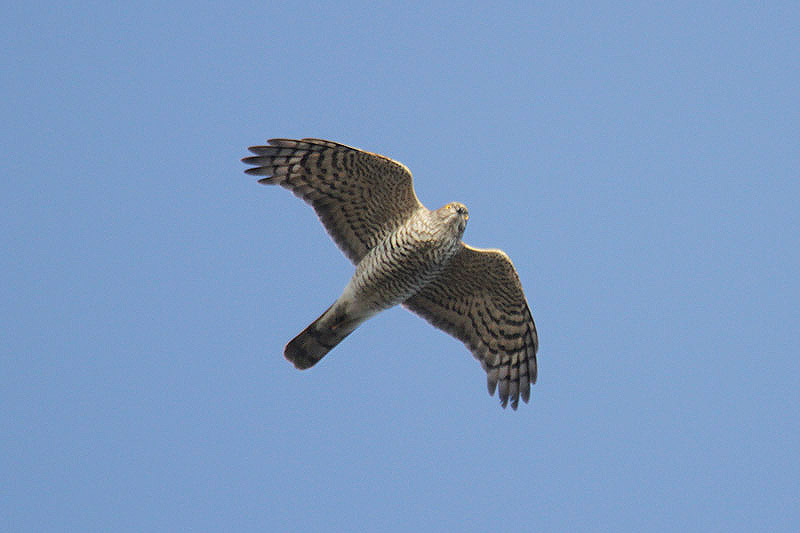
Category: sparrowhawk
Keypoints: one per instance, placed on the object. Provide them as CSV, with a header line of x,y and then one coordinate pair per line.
x,y
404,254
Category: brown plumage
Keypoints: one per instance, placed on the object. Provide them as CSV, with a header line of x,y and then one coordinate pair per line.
x,y
404,254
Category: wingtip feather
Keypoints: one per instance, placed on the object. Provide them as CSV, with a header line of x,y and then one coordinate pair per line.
x,y
257,171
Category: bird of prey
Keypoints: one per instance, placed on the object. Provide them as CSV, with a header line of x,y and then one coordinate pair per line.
x,y
403,254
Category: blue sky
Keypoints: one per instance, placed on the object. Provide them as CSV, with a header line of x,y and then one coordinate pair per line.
x,y
638,162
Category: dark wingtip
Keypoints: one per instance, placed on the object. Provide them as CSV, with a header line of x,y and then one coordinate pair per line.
x,y
258,171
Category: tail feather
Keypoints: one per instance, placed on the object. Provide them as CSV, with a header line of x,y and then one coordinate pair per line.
x,y
320,337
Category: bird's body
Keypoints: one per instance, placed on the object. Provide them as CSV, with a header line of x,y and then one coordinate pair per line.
x,y
400,265
408,258
404,254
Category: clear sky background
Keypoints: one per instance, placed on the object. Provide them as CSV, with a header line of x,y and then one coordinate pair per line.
x,y
639,163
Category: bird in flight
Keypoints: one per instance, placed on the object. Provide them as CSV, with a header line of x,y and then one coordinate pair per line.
x,y
404,254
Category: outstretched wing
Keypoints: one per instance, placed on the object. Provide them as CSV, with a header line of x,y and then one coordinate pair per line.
x,y
359,196
479,300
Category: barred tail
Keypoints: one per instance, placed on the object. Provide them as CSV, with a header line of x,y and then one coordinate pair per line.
x,y
305,350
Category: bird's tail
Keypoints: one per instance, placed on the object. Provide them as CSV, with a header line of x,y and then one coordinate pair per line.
x,y
305,350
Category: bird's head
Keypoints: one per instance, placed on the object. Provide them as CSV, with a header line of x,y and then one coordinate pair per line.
x,y
455,216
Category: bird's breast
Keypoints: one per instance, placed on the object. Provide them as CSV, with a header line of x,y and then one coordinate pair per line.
x,y
397,268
